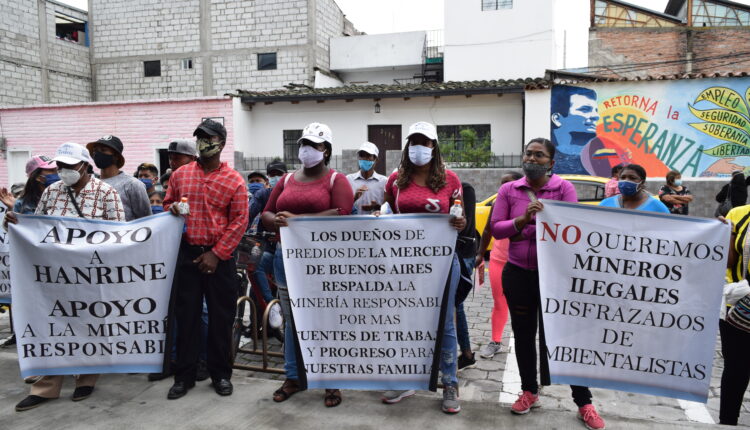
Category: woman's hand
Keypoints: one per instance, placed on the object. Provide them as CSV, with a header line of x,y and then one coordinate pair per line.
x,y
280,220
532,209
7,198
459,222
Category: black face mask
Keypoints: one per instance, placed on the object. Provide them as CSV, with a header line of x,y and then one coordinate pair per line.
x,y
103,160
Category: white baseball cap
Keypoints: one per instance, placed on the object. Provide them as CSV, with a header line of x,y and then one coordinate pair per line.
x,y
317,133
424,128
369,148
72,153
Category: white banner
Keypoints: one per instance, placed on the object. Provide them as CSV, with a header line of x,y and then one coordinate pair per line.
x,y
366,294
92,296
631,299
4,260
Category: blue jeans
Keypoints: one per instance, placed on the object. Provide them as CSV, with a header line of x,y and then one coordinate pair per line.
x,y
264,266
448,348
290,340
462,327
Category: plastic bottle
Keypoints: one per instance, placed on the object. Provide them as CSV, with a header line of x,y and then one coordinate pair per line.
x,y
183,207
256,251
456,210
385,209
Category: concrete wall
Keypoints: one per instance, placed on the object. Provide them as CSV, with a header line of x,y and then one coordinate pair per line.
x,y
386,77
378,51
260,130
35,66
144,127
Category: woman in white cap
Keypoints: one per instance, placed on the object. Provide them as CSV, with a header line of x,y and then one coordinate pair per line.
x,y
422,184
314,190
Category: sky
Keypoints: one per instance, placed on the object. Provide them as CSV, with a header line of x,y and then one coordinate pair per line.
x,y
391,16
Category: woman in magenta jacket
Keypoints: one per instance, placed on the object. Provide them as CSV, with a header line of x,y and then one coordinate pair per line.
x,y
514,217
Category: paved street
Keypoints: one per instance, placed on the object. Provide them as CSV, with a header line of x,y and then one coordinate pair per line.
x,y
486,391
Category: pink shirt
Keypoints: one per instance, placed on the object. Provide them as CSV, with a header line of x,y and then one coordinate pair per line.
x,y
611,188
311,197
418,199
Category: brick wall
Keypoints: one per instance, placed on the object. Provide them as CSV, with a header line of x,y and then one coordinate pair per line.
x,y
125,80
330,23
239,24
143,127
232,72
615,46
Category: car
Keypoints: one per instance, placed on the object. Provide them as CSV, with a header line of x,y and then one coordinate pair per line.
x,y
590,190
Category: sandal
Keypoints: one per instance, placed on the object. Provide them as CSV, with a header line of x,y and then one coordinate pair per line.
x,y
332,398
287,390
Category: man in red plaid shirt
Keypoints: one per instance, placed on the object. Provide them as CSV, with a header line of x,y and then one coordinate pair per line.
x,y
217,197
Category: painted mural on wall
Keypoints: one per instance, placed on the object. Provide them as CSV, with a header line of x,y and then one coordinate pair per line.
x,y
698,127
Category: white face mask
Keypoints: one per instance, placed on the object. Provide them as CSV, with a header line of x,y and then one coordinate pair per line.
x,y
69,177
309,156
419,154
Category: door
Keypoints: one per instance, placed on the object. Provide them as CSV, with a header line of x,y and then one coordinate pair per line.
x,y
17,159
385,137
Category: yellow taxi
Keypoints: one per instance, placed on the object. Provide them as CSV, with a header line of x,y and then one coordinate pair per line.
x,y
590,190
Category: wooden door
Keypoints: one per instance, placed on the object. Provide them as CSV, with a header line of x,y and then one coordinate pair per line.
x,y
385,137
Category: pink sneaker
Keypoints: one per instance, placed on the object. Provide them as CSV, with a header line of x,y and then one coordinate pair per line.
x,y
525,402
592,419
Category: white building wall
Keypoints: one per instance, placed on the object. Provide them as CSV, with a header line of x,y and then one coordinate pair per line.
x,y
259,131
537,117
388,77
377,51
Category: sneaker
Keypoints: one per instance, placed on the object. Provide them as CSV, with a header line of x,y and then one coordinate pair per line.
x,y
391,397
591,418
489,350
451,404
466,363
525,402
275,320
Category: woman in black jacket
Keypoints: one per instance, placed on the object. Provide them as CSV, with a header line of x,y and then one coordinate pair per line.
x,y
736,189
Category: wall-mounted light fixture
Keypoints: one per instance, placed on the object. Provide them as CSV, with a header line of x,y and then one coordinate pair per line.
x,y
377,107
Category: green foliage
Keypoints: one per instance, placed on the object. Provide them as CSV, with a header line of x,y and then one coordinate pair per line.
x,y
466,150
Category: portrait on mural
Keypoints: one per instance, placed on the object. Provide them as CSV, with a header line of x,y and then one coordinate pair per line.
x,y
698,127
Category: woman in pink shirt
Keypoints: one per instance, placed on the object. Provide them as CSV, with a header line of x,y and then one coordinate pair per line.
x,y
514,217
315,190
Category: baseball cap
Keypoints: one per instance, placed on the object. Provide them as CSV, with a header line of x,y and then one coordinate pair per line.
x,y
423,128
257,173
212,128
277,165
17,188
182,146
317,132
72,153
113,142
369,148
39,162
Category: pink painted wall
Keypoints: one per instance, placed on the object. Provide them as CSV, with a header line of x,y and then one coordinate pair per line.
x,y
143,127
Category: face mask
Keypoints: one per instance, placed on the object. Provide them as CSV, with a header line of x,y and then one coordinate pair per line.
x,y
51,179
69,177
255,186
309,156
366,165
147,182
156,209
628,188
419,154
103,160
207,148
534,171
678,182
273,180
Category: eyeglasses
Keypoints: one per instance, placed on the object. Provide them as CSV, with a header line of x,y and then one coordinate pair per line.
x,y
537,154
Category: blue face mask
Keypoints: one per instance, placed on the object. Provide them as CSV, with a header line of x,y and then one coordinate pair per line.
x,y
628,188
147,182
273,180
156,209
254,187
51,179
678,182
365,165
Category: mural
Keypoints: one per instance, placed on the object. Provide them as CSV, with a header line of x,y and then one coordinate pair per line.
x,y
699,127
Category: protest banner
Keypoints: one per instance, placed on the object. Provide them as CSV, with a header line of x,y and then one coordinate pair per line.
x,y
4,260
92,296
630,299
368,297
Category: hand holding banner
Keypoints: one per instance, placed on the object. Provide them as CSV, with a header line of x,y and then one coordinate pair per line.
x,y
4,260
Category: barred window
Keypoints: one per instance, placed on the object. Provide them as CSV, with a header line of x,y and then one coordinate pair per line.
x,y
291,149
497,4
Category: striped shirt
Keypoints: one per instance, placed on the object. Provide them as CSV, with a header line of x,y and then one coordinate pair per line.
x,y
97,200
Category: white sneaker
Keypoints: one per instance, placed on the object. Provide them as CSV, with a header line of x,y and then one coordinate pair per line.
x,y
489,350
391,397
275,320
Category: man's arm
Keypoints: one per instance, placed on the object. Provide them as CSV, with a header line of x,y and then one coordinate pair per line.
x,y
238,216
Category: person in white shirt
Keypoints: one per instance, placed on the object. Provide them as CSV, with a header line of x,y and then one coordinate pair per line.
x,y
368,185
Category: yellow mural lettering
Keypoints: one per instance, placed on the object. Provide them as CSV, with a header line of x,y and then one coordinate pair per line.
x,y
724,132
724,97
722,116
728,150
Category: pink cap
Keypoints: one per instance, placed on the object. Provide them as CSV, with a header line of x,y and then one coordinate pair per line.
x,y
39,162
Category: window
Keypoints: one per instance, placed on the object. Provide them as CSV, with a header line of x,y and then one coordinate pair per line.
x,y
463,137
588,191
71,29
151,68
291,150
497,4
186,63
267,61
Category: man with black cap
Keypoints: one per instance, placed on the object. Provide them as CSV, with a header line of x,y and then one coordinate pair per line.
x,y
107,155
218,211
181,152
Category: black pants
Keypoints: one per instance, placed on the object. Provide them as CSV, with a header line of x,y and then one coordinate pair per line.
x,y
521,289
220,290
735,347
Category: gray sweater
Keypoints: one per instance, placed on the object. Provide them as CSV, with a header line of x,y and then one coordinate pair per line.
x,y
133,195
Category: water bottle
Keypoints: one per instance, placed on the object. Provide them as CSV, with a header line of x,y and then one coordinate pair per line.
x,y
183,207
456,210
385,209
256,251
